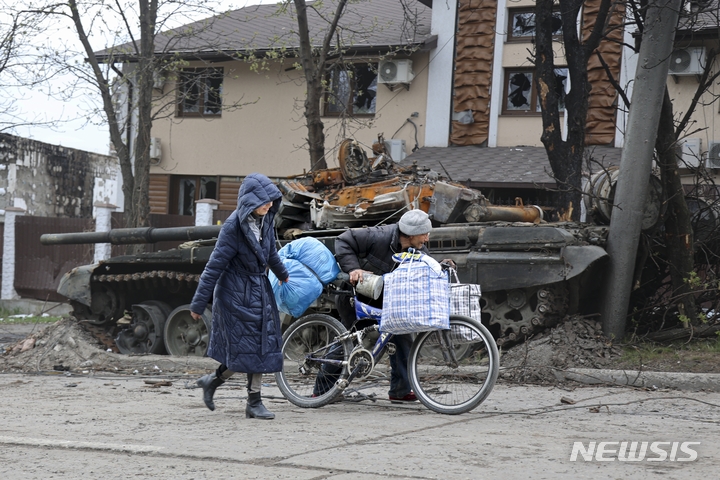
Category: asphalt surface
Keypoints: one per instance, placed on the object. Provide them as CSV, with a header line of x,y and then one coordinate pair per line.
x,y
113,426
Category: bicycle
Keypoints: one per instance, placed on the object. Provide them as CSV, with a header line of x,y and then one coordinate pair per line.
x,y
451,371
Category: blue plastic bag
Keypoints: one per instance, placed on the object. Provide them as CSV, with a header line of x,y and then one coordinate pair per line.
x,y
311,266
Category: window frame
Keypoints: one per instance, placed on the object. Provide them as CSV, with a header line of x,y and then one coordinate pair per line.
x,y
510,38
174,191
349,109
534,109
206,74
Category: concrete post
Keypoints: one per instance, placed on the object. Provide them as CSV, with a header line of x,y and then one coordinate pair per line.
x,y
636,161
204,211
8,259
103,223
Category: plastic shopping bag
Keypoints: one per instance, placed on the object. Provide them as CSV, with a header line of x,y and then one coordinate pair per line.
x,y
311,266
465,299
416,296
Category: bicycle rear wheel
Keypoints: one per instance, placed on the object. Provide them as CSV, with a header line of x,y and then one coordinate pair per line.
x,y
305,381
456,387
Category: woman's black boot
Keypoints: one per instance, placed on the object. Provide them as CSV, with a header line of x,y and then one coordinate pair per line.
x,y
209,383
256,409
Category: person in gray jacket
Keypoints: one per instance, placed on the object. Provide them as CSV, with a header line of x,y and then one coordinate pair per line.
x,y
370,250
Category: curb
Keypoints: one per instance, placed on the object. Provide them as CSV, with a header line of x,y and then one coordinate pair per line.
x,y
709,382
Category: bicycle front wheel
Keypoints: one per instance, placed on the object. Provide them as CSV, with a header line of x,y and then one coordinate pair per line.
x,y
313,361
453,371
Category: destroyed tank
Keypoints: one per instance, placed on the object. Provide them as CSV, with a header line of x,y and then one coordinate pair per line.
x,y
532,272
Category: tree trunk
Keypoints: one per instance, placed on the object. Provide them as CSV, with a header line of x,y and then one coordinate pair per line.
x,y
678,227
314,70
144,81
121,148
565,157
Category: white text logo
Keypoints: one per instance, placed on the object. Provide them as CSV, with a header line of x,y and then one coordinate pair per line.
x,y
635,451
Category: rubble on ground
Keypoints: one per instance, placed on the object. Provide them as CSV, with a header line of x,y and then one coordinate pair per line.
x,y
575,343
66,347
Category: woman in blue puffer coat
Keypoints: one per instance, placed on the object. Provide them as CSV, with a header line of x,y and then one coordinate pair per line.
x,y
246,335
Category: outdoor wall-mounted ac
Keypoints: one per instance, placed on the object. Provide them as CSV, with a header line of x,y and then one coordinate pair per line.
x,y
713,155
689,153
687,61
396,149
155,149
395,71
158,79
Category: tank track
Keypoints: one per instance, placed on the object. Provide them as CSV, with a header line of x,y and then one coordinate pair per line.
x,y
122,290
514,315
152,279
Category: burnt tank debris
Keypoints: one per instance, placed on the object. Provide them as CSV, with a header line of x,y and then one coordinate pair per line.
x,y
533,272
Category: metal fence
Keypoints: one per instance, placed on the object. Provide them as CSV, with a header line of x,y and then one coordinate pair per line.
x,y
38,268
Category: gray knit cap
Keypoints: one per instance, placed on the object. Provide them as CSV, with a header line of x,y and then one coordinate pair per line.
x,y
415,222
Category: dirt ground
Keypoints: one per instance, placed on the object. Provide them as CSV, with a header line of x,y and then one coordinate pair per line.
x,y
575,343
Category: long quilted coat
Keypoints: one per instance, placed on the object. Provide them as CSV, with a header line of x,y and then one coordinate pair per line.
x,y
246,335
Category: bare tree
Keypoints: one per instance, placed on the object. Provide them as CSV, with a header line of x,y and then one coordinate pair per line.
x,y
313,65
141,45
566,156
20,66
324,40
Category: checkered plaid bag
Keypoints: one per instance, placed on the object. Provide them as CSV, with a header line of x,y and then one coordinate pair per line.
x,y
415,296
465,299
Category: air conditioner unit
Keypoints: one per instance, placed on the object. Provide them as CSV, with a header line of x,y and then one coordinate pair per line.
x,y
689,153
713,155
155,149
396,149
395,71
687,61
158,79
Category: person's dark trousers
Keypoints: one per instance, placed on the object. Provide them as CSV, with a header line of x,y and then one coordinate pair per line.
x,y
399,383
328,374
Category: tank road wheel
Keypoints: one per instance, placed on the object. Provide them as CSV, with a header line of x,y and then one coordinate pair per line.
x,y
186,337
146,329
514,314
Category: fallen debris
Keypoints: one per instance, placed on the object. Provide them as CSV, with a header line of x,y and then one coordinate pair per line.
x,y
576,342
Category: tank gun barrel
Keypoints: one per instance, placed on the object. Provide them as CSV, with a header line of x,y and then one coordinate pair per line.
x,y
126,236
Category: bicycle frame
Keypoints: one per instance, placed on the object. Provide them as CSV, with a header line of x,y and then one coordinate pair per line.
x,y
362,312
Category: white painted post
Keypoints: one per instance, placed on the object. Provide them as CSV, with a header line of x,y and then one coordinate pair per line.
x,y
204,211
103,223
8,259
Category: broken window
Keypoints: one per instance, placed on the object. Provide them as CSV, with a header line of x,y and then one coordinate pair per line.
x,y
351,90
200,92
521,95
521,25
185,191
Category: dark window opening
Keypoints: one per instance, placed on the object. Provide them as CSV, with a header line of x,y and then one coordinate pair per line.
x,y
185,191
521,94
521,25
200,92
352,89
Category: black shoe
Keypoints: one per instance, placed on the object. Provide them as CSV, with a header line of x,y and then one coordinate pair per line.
x,y
256,409
410,397
209,383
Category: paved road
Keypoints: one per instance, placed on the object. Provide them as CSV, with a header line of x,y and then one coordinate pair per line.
x,y
105,426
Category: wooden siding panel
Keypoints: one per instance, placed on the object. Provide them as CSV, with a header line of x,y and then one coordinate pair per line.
x,y
602,103
159,193
229,187
473,69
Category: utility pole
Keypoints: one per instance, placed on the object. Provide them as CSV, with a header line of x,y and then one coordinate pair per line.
x,y
636,162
